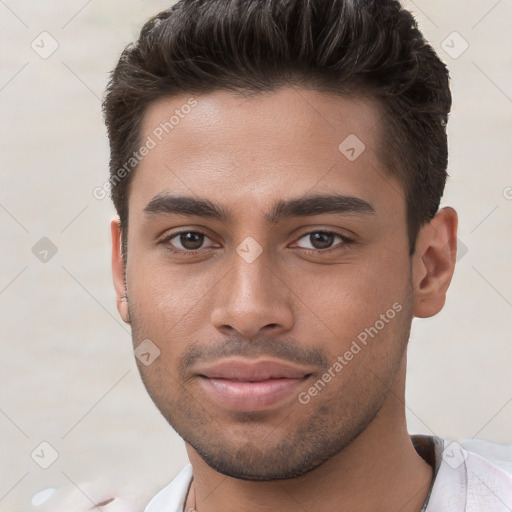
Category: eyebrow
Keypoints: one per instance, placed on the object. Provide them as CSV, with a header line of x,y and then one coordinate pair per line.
x,y
300,207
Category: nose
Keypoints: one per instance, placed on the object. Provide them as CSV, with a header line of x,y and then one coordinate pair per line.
x,y
252,298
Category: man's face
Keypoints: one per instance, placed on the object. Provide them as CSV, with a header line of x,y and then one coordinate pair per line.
x,y
259,310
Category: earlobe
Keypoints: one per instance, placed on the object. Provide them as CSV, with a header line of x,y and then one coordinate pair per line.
x,y
118,270
434,262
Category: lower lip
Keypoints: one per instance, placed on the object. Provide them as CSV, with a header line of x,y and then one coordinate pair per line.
x,y
251,396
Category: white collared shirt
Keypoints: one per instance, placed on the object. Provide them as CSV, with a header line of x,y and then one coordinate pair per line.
x,y
463,482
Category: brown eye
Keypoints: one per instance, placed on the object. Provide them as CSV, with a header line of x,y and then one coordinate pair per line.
x,y
185,242
191,240
323,241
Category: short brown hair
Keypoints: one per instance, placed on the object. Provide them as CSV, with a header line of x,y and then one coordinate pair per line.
x,y
345,47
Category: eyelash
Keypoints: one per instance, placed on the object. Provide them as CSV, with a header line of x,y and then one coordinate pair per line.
x,y
346,242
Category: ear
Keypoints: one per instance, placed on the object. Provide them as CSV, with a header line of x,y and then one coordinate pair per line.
x,y
434,262
118,270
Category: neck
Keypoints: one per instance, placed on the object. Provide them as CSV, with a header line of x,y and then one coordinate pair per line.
x,y
379,471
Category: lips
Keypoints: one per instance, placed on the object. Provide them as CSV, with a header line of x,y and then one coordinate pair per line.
x,y
251,385
252,371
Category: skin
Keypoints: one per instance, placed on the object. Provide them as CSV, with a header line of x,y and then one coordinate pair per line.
x,y
348,448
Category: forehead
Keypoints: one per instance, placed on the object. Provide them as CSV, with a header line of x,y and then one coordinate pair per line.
x,y
254,150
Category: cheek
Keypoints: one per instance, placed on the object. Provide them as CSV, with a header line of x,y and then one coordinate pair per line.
x,y
339,301
351,297
169,303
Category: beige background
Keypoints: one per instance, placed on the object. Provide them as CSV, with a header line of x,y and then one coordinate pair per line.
x,y
67,370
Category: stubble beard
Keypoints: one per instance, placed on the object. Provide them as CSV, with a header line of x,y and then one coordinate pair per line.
x,y
322,429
